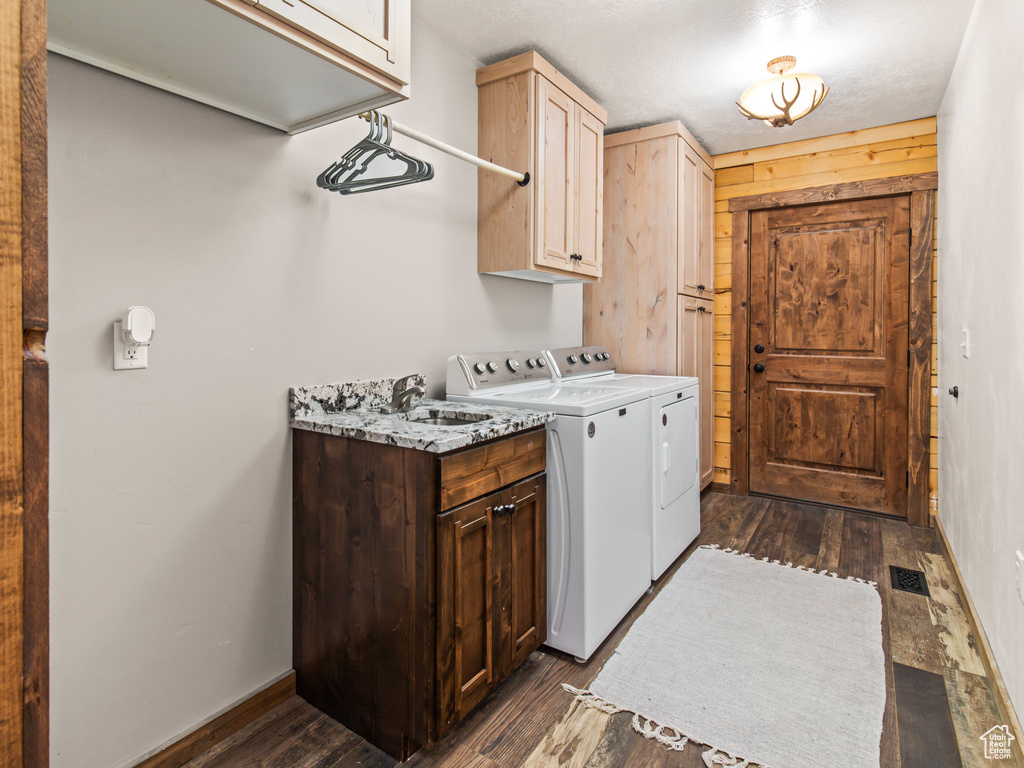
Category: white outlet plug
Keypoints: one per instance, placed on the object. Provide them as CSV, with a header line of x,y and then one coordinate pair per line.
x,y
1018,573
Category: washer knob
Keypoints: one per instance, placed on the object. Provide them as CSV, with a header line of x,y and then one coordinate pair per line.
x,y
479,368
542,363
602,355
530,362
513,364
587,358
572,359
492,367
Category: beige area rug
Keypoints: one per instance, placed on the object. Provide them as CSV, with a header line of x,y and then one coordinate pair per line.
x,y
762,662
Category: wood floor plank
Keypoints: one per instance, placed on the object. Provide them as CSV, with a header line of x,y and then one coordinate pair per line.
x,y
914,643
861,553
809,528
570,743
974,711
263,723
831,540
773,534
927,736
616,742
959,646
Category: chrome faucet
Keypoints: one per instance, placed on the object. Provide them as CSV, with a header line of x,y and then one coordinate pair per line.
x,y
402,395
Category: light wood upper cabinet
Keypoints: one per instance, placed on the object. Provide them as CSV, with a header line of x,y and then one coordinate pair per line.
x,y
696,223
532,118
290,64
374,31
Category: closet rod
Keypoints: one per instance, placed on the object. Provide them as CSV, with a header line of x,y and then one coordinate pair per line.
x,y
522,178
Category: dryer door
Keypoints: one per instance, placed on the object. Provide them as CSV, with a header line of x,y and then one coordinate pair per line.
x,y
677,449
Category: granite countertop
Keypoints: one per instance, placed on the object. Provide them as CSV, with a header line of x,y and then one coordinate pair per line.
x,y
353,410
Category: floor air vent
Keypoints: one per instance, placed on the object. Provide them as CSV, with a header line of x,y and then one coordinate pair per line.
x,y
908,581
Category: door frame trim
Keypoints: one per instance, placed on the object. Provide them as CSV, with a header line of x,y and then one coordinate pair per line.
x,y
921,190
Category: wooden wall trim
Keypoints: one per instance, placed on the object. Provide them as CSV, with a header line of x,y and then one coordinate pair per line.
x,y
922,222
851,190
924,127
35,397
12,555
1006,711
739,454
194,743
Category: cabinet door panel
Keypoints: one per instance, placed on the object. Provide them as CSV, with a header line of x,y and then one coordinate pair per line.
x,y
706,269
465,587
527,588
689,219
589,187
696,328
374,31
556,140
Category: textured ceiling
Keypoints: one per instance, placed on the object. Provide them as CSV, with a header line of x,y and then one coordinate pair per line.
x,y
648,61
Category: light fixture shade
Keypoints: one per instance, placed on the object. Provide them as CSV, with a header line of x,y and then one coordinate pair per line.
x,y
785,98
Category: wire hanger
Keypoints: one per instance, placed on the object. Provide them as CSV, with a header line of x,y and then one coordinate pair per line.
x,y
374,164
371,165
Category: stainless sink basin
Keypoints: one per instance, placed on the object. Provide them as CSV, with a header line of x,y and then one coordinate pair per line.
x,y
450,420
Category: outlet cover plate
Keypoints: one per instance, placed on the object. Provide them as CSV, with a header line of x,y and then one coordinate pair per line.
x,y
125,360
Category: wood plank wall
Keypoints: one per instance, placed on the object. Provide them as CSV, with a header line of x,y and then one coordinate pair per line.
x,y
873,153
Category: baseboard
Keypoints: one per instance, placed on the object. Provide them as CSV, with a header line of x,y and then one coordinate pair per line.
x,y
1003,704
220,727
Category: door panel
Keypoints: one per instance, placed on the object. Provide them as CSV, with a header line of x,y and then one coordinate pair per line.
x,y
828,414
696,337
689,219
706,224
589,198
465,608
527,573
374,31
556,140
676,449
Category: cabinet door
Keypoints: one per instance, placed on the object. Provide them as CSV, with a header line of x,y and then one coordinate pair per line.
x,y
706,268
525,527
465,608
374,31
556,165
589,188
696,358
689,181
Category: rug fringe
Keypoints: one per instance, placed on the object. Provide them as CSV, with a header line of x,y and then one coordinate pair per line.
x,y
787,564
663,734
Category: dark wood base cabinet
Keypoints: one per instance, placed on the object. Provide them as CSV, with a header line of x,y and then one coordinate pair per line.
x,y
419,579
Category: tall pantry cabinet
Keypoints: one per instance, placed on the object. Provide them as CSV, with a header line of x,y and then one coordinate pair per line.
x,y
653,307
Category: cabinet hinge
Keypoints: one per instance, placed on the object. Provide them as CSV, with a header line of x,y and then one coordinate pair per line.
x,y
908,357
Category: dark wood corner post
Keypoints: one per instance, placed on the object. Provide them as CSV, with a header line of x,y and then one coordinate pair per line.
x,y
921,189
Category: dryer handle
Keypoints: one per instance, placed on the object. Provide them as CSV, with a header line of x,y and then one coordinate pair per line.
x,y
666,457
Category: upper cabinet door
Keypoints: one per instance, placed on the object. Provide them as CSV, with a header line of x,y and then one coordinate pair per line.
x,y
589,192
556,212
689,181
375,32
706,272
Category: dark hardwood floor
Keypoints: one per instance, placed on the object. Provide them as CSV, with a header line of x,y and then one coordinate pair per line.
x,y
939,700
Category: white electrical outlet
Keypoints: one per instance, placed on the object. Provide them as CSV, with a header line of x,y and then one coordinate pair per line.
x,y
128,356
1018,572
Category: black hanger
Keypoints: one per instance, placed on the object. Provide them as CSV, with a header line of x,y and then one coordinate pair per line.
x,y
372,164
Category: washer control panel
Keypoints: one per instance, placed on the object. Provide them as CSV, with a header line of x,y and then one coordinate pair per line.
x,y
579,361
487,370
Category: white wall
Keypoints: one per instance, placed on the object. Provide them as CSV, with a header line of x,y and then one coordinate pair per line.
x,y
170,521
981,288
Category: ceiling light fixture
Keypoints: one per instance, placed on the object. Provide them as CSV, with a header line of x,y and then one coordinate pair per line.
x,y
785,98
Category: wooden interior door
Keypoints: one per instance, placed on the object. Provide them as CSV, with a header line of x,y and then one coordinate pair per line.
x,y
556,151
828,377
